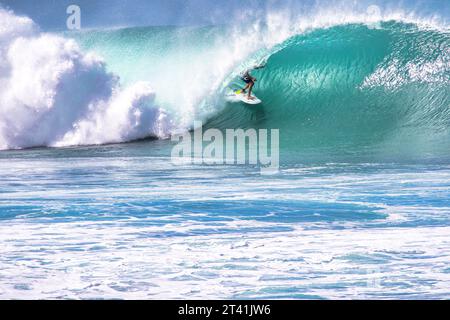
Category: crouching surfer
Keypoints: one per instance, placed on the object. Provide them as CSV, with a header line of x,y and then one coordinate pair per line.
x,y
250,81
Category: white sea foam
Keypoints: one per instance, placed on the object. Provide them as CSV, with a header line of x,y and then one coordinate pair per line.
x,y
52,94
120,260
139,227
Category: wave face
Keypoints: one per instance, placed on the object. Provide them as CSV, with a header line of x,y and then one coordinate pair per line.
x,y
334,83
384,87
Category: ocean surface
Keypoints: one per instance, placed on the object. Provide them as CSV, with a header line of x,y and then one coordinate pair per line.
x,y
113,222
92,207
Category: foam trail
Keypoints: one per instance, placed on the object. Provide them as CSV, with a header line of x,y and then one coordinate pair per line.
x,y
53,94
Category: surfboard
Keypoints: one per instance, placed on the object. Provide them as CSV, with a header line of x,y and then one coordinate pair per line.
x,y
244,98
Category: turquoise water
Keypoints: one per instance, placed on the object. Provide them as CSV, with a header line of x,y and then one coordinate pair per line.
x,y
121,221
381,91
360,208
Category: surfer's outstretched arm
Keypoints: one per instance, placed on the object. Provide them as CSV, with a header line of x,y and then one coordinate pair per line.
x,y
260,66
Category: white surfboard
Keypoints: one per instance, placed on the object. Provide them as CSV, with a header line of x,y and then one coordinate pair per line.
x,y
244,97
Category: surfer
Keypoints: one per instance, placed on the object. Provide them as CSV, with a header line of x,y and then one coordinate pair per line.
x,y
250,81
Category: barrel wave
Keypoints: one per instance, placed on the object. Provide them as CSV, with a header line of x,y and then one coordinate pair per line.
x,y
355,87
340,87
346,88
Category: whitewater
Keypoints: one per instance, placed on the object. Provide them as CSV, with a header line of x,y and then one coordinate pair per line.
x,y
91,206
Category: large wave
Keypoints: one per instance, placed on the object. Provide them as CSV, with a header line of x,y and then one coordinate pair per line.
x,y
333,78
355,85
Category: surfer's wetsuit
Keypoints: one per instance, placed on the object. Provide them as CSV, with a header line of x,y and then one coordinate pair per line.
x,y
249,80
246,77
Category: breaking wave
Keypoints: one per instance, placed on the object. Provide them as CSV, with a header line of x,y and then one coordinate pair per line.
x,y
332,79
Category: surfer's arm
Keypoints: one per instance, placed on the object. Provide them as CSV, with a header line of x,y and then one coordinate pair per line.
x,y
256,67
259,66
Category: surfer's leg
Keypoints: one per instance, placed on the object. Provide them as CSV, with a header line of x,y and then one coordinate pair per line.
x,y
250,88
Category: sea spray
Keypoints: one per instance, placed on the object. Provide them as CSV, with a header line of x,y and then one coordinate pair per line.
x,y
53,94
